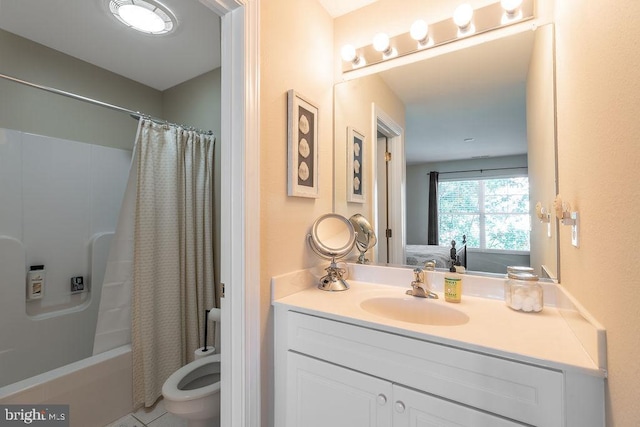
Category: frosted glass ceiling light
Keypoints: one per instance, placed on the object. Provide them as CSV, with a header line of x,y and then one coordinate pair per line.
x,y
147,16
420,32
381,44
462,18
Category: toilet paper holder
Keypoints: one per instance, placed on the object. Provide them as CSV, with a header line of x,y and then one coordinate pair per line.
x,y
212,315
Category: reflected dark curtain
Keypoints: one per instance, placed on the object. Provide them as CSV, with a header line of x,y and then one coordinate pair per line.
x,y
432,220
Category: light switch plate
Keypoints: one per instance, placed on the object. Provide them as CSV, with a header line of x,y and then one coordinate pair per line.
x,y
574,229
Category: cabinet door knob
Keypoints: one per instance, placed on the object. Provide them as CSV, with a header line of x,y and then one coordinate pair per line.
x,y
382,399
399,407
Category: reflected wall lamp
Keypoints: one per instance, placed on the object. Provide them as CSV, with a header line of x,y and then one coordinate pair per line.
x,y
567,216
465,22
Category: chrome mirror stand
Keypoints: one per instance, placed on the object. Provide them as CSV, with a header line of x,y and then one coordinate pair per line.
x,y
365,236
334,280
332,237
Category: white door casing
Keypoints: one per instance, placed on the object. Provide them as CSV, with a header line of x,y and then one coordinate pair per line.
x,y
384,124
240,222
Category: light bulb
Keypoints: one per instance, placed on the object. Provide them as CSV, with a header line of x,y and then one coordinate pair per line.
x,y
419,30
348,53
381,42
463,15
510,6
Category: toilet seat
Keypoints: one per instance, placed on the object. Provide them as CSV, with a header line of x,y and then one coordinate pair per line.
x,y
171,389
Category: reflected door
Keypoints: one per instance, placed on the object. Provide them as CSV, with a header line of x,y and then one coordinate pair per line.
x,y
383,230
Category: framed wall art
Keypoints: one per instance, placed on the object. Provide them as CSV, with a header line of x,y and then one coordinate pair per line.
x,y
355,166
302,118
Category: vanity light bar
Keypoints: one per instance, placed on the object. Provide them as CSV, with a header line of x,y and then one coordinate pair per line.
x,y
484,19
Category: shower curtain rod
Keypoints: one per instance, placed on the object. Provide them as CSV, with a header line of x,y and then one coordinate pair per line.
x,y
134,114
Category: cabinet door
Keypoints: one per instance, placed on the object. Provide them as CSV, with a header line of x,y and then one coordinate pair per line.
x,y
414,409
320,394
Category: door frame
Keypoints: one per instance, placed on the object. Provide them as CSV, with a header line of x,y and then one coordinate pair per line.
x,y
383,123
240,207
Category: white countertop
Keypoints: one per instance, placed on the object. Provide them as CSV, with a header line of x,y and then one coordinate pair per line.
x,y
544,338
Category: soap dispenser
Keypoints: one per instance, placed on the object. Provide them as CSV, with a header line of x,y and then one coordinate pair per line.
x,y
452,285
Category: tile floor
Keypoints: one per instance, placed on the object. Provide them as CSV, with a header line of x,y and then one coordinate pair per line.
x,y
151,417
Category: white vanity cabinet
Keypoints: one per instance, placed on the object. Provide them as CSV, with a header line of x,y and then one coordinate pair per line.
x,y
321,394
334,372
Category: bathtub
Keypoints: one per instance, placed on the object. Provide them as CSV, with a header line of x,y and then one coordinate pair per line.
x,y
98,389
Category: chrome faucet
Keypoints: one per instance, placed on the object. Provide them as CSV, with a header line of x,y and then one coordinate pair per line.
x,y
419,287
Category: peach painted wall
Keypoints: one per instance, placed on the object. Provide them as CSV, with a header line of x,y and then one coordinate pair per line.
x,y
296,53
598,92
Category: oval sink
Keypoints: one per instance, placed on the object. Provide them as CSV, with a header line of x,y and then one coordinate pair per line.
x,y
414,310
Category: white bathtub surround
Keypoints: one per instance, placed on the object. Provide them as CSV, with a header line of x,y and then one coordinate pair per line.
x,y
114,317
59,208
173,252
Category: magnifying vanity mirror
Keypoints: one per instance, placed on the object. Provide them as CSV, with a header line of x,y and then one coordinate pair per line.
x,y
474,114
365,236
332,237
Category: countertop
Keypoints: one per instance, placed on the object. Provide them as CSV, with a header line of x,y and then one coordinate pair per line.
x,y
544,338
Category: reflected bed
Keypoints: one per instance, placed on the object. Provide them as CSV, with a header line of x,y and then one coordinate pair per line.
x,y
420,254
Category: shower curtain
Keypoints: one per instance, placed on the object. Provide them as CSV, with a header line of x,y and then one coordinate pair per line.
x,y
173,281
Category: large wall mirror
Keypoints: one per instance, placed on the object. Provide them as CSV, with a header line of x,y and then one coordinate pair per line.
x,y
483,117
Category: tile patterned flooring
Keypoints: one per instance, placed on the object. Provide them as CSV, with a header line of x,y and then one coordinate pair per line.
x,y
150,417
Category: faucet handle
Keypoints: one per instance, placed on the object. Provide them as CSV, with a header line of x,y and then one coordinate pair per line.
x,y
418,275
430,265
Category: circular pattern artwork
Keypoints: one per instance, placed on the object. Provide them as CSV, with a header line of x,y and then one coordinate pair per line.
x,y
303,171
303,148
303,124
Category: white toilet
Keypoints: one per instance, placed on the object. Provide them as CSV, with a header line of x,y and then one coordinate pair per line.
x,y
193,391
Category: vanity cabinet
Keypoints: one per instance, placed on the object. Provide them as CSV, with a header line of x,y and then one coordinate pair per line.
x,y
321,394
334,372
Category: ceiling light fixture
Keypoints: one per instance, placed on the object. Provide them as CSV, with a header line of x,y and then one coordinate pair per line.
x,y
382,44
147,16
420,32
349,54
422,36
512,10
511,6
462,17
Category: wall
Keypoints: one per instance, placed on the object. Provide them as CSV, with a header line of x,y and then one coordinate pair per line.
x,y
33,110
296,53
598,133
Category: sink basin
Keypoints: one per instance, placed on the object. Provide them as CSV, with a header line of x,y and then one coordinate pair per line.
x,y
414,310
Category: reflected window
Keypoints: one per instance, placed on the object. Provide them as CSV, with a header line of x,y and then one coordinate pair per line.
x,y
493,213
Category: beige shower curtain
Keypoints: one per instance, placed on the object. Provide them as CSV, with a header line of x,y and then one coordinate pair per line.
x,y
173,281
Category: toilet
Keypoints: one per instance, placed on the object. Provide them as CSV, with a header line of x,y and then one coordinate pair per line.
x,y
193,391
